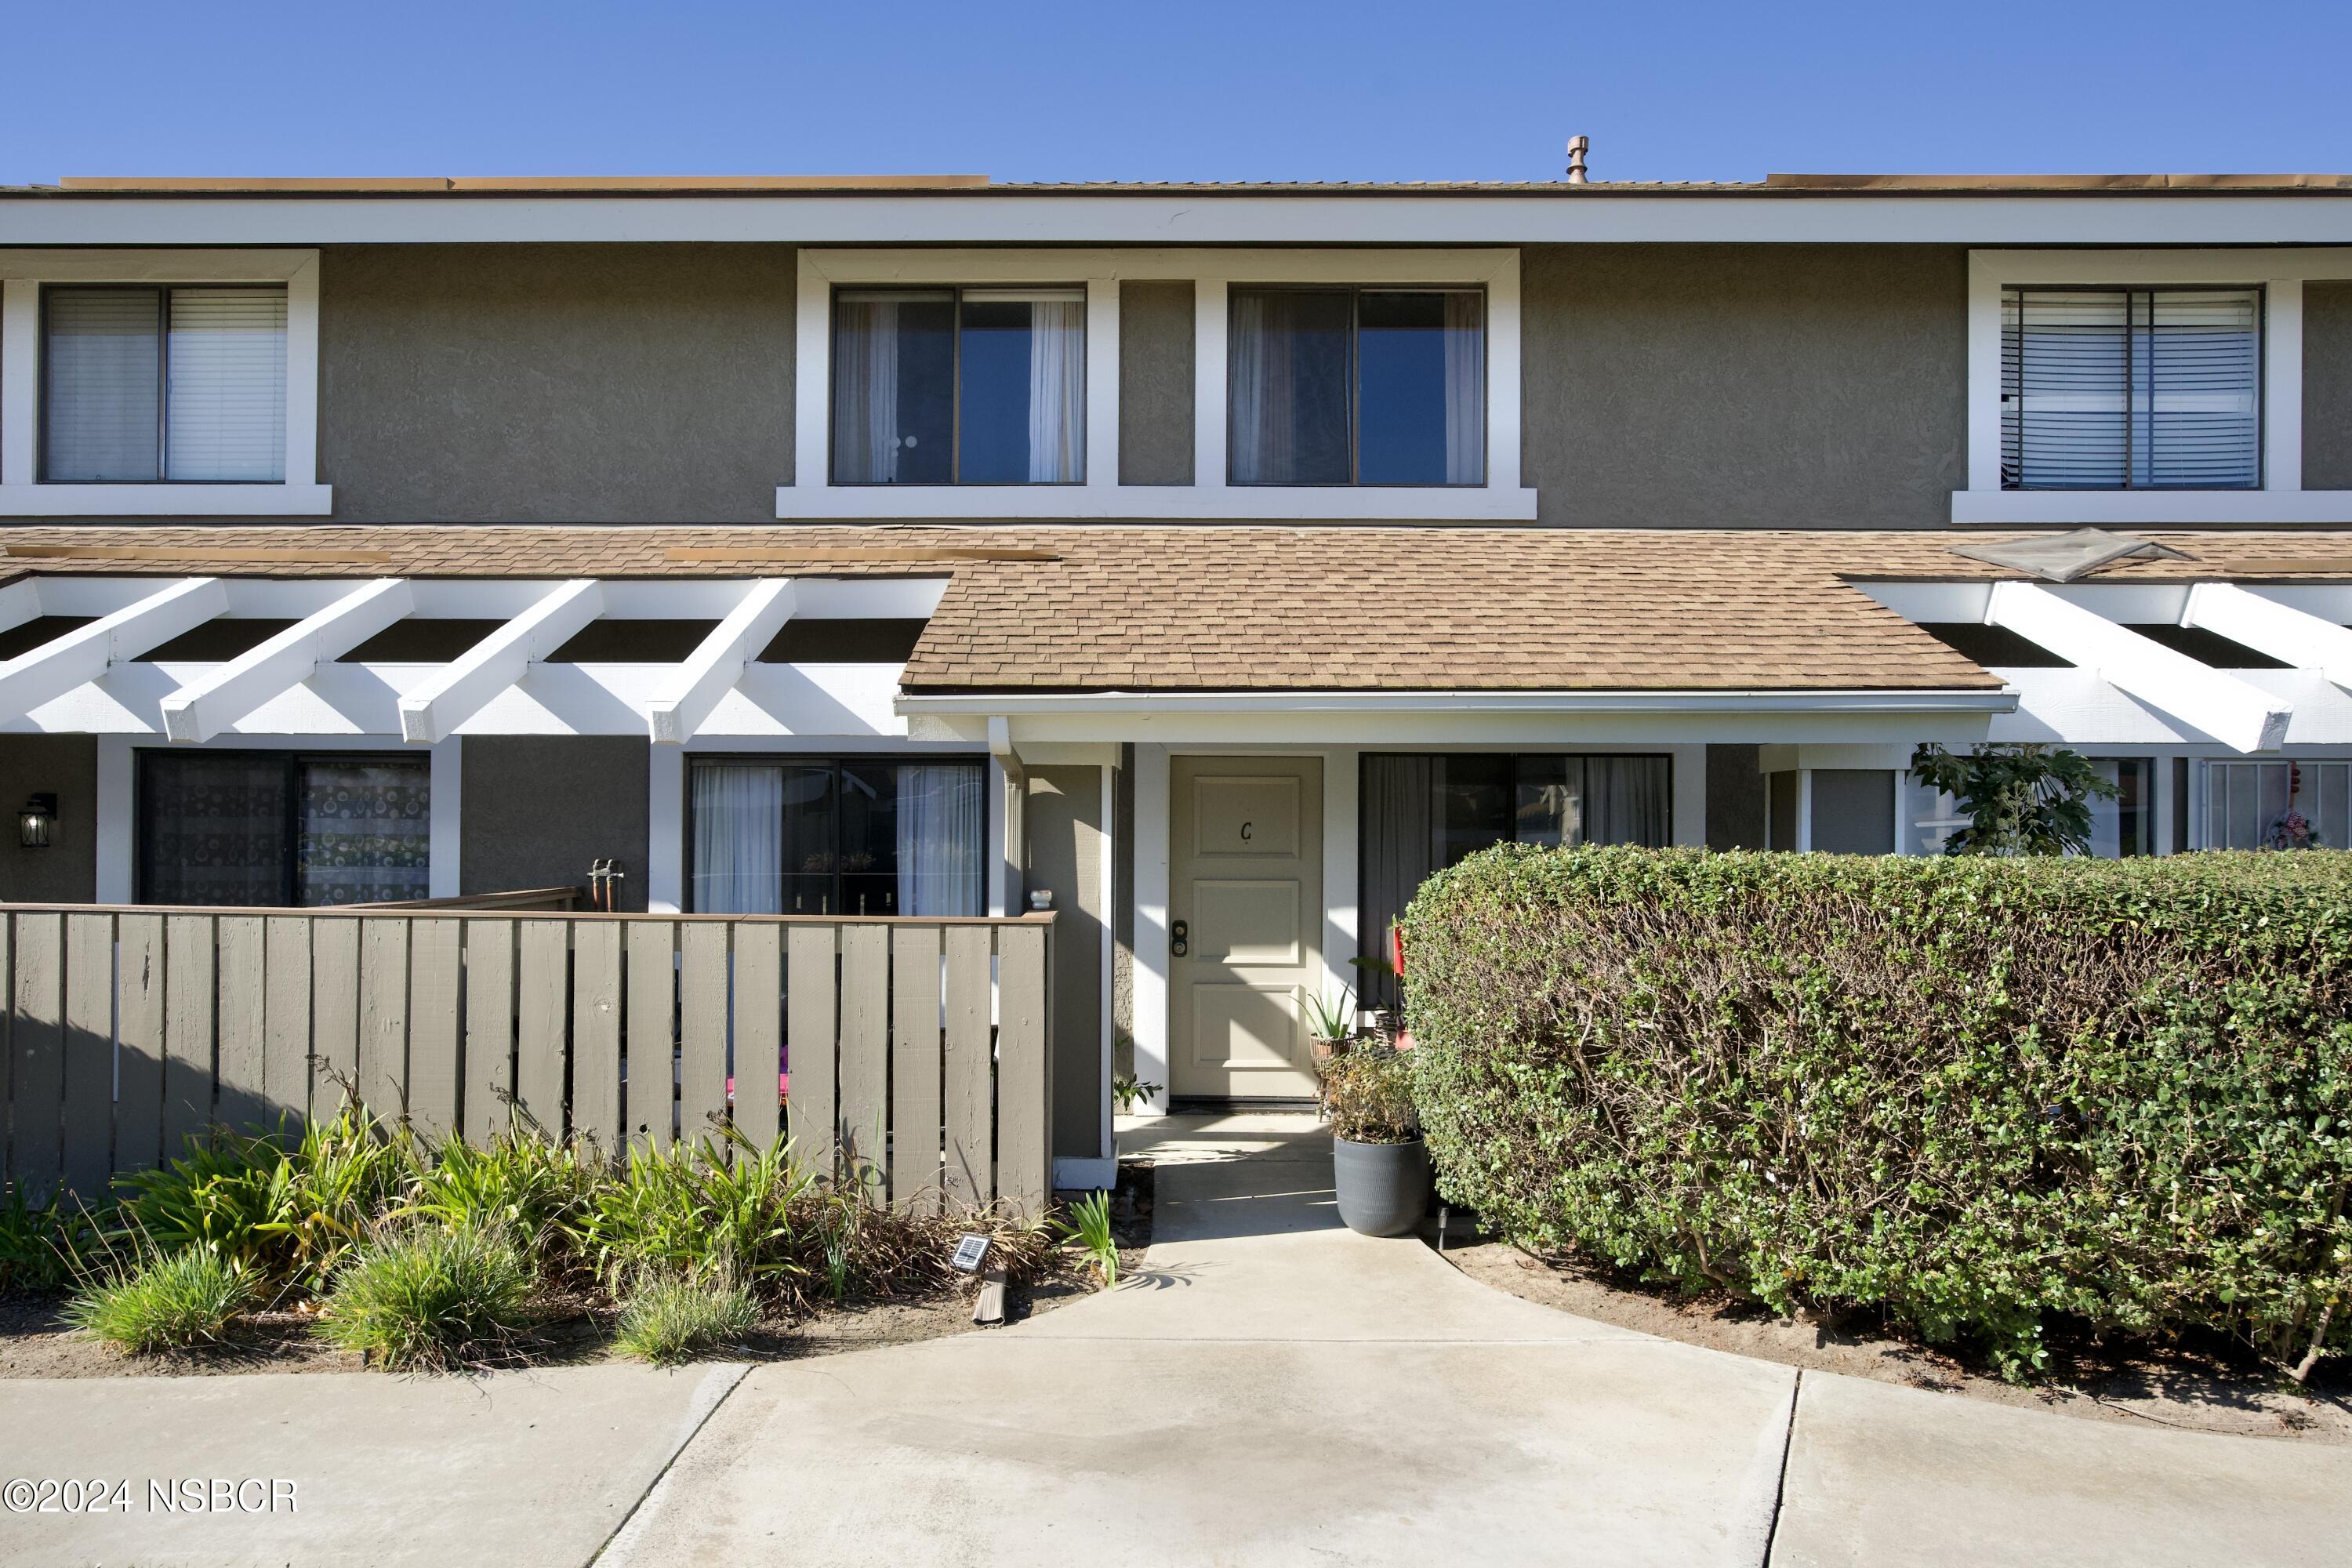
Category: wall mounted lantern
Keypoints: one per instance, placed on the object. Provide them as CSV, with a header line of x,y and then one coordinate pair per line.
x,y
33,823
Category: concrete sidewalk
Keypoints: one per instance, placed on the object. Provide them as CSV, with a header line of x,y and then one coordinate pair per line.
x,y
1269,1388
511,1468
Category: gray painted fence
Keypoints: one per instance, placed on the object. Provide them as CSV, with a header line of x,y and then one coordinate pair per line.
x,y
917,1049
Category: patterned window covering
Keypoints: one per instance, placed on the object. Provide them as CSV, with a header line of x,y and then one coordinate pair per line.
x,y
365,831
245,829
211,829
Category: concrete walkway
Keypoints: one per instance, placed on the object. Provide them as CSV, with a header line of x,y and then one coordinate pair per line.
x,y
1269,1389
1274,1389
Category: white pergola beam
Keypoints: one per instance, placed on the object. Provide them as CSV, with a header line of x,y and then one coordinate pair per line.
x,y
47,672
203,707
19,601
2296,637
433,710
715,666
2240,716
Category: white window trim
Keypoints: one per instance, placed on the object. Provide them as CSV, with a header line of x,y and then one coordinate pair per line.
x,y
2282,499
22,274
1209,497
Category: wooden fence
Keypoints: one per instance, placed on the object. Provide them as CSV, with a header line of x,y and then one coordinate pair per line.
x,y
915,1051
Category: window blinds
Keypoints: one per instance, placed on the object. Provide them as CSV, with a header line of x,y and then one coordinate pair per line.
x,y
143,385
98,409
225,417
2131,388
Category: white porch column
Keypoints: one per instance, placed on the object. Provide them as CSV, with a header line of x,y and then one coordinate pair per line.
x,y
118,828
1150,1032
665,830
1688,806
443,870
1342,896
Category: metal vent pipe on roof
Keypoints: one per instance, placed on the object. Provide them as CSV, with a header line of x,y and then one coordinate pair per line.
x,y
1576,148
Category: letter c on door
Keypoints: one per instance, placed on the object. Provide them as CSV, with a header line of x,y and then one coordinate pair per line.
x,y
1245,832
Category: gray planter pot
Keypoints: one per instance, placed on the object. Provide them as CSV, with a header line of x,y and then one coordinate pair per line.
x,y
1383,1188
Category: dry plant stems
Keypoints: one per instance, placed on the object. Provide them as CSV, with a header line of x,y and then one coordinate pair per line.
x,y
1976,1093
1368,1092
666,1319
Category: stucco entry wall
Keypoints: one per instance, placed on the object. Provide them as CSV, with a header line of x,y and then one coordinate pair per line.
x,y
65,766
1066,846
556,383
536,809
1745,386
2327,385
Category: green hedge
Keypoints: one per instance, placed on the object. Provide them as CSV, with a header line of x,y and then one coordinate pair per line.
x,y
1975,1093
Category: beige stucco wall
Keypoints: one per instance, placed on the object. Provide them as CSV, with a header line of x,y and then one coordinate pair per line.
x,y
2327,387
556,383
1745,386
65,766
535,810
1155,382
1066,846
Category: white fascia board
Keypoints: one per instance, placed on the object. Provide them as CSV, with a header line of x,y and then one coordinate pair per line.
x,y
1258,703
129,501
2304,641
2239,715
203,707
2150,509
433,710
42,674
1188,217
713,668
1104,499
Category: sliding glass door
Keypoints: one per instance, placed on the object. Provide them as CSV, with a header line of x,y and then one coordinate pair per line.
x,y
1420,813
258,829
838,836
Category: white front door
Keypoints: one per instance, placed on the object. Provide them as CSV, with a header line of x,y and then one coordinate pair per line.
x,y
1245,920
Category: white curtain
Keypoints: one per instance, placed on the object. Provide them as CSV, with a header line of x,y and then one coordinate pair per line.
x,y
943,823
1057,390
866,392
1465,389
1261,450
739,838
1626,800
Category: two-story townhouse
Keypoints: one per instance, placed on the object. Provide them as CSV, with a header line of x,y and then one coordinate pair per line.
x,y
1219,560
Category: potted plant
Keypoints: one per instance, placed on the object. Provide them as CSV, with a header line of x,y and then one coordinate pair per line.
x,y
1330,1025
1379,1166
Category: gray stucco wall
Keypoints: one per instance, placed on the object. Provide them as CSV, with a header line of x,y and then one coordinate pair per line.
x,y
1745,386
1155,382
1853,811
65,766
556,383
2327,387
536,809
1067,844
1735,798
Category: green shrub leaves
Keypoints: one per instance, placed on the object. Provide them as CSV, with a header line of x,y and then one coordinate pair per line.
x,y
1973,1093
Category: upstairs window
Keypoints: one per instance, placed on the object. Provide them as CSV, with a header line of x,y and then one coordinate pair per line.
x,y
148,384
2106,389
1357,387
959,386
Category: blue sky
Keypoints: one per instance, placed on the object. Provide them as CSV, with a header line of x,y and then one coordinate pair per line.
x,y
1210,90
